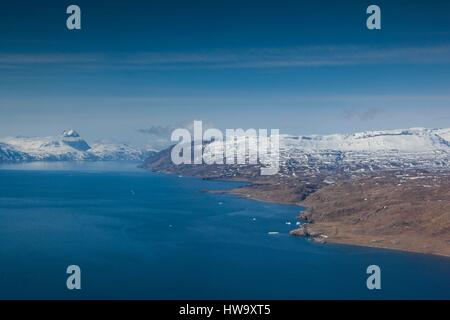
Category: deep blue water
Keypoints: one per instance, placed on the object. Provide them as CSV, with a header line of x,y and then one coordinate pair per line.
x,y
141,235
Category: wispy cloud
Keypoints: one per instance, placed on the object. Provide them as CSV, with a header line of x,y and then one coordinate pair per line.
x,y
160,135
160,131
362,115
298,57
34,59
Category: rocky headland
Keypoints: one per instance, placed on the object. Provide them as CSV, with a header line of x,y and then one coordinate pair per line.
x,y
396,199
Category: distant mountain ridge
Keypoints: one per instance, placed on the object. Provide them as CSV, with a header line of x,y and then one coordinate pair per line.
x,y
404,140
69,146
364,151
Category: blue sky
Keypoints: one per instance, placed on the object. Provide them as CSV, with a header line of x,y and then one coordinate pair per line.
x,y
302,67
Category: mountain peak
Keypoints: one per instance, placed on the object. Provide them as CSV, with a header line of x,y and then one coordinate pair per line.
x,y
70,134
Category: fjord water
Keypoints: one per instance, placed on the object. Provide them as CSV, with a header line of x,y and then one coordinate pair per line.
x,y
141,235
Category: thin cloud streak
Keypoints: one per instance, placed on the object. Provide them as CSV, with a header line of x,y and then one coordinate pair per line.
x,y
321,56
232,97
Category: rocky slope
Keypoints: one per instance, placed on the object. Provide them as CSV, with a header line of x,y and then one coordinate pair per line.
x,y
408,211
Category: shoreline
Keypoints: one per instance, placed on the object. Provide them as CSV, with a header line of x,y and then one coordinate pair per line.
x,y
317,230
266,191
248,196
406,209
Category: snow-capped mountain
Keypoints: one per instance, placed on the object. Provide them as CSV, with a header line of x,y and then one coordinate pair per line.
x,y
409,148
365,151
69,146
409,140
10,154
118,152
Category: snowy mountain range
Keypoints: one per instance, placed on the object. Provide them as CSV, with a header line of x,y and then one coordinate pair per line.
x,y
402,140
402,148
68,146
414,148
370,150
